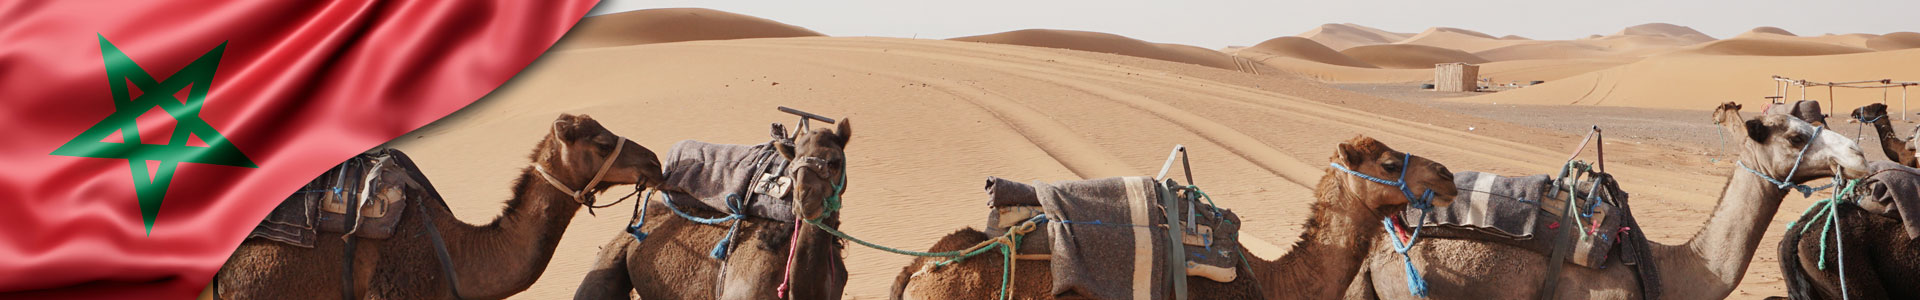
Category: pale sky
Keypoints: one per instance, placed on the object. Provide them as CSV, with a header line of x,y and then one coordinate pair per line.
x,y
1218,23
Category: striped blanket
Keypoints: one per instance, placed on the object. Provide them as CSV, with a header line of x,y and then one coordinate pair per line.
x,y
1109,238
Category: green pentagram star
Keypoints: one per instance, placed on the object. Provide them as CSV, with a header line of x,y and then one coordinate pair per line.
x,y
156,94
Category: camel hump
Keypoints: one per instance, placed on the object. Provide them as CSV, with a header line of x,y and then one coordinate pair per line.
x,y
375,184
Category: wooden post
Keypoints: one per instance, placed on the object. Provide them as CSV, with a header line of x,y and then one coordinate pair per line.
x,y
1903,104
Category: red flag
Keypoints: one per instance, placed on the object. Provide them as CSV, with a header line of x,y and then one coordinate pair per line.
x,y
141,140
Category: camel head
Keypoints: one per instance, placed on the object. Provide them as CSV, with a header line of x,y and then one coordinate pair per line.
x,y
1419,175
580,155
1869,113
1774,146
818,168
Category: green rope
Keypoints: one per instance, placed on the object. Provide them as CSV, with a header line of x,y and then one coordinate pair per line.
x,y
1829,209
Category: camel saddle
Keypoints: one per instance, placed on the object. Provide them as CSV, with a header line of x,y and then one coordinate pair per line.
x,y
1531,212
1110,238
744,179
374,184
1893,191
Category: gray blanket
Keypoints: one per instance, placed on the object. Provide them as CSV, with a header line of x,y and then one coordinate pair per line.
x,y
703,175
1502,206
1511,210
1894,191
1108,238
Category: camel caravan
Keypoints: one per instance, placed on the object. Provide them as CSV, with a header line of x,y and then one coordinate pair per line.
x,y
762,221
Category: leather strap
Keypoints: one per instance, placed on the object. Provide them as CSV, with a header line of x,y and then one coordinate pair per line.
x,y
1561,249
446,259
580,194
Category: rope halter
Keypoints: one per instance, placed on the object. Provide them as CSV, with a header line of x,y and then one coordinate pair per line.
x,y
1423,202
831,205
1784,182
584,195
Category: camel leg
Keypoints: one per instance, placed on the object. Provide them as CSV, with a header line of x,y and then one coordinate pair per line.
x,y
608,278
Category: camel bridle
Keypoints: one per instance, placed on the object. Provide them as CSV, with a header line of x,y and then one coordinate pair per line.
x,y
831,205
1786,182
584,195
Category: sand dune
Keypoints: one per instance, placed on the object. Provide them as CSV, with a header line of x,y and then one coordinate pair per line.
x,y
1107,43
1306,49
1894,41
1544,50
1768,30
1770,47
668,25
1682,33
1343,36
1515,37
1409,56
1459,39
1695,81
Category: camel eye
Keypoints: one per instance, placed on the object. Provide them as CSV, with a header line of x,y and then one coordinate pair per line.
x,y
1391,166
1796,139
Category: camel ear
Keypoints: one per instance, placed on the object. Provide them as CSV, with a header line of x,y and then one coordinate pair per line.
x,y
845,132
1758,131
1350,155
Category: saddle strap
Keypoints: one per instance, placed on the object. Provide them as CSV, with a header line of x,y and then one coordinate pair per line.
x,y
1561,249
440,250
346,274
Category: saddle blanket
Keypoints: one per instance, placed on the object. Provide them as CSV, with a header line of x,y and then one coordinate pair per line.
x,y
376,183
704,175
1512,210
1109,238
1894,191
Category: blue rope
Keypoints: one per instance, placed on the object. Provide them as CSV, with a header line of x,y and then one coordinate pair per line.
x,y
1415,284
1782,182
719,248
1424,203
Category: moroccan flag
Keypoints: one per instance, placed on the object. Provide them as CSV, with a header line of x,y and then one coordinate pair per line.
x,y
141,140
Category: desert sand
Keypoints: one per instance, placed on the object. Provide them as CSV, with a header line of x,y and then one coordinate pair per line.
x,y
934,117
1349,35
1111,43
674,25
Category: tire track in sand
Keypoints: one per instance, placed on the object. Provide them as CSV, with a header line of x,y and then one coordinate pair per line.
x,y
1072,151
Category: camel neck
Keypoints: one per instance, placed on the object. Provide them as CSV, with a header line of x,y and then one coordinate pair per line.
x,y
1330,250
1710,264
1890,141
507,255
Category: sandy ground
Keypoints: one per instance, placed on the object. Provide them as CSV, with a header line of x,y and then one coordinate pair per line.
x,y
934,117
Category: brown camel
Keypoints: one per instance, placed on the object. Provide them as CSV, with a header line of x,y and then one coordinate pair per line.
x,y
1898,149
673,262
490,261
1345,219
1881,262
1708,266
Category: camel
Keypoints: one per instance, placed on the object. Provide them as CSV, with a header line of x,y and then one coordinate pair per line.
x,y
1898,149
1345,219
490,261
673,261
1708,266
1881,262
